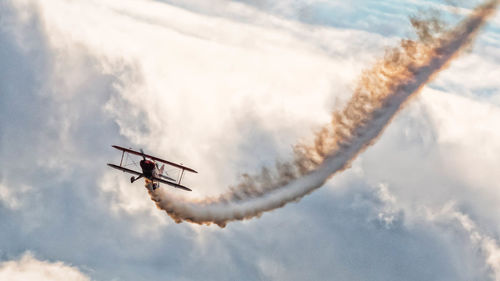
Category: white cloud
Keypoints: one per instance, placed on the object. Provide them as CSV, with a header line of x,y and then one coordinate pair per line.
x,y
201,90
488,246
468,138
125,199
179,59
225,97
442,148
30,268
273,270
12,196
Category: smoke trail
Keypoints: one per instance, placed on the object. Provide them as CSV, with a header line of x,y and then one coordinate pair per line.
x,y
381,93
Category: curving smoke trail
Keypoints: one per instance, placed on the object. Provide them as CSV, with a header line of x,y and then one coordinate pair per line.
x,y
382,91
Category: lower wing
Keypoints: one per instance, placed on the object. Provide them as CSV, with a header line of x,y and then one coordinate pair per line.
x,y
124,169
171,184
154,178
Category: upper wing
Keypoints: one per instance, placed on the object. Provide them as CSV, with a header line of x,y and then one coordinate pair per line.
x,y
154,158
171,184
124,169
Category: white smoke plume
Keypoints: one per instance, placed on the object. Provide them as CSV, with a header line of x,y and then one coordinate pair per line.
x,y
382,91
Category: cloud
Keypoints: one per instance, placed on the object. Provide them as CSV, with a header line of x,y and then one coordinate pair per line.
x,y
468,141
488,246
100,90
147,114
380,94
12,197
30,268
434,153
126,200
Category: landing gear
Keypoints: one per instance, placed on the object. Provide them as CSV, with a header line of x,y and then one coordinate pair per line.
x,y
155,186
132,179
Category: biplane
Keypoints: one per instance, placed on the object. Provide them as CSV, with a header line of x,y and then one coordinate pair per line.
x,y
151,171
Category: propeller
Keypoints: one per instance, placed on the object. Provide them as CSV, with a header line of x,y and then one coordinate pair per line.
x,y
143,156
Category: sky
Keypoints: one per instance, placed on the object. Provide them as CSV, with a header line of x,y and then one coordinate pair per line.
x,y
227,87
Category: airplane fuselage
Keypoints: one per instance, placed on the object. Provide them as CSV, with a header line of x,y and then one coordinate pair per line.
x,y
149,169
151,172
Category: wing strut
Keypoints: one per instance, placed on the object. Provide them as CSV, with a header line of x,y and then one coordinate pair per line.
x,y
123,153
182,174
